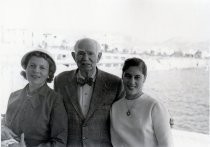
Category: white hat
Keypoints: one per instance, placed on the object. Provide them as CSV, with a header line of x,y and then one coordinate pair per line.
x,y
24,58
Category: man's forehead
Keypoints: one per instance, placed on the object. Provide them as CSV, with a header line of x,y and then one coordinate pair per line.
x,y
88,44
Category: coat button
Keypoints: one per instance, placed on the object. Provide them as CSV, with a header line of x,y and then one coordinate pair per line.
x,y
84,138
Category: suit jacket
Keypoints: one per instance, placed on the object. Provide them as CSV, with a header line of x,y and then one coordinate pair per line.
x,y
42,118
94,129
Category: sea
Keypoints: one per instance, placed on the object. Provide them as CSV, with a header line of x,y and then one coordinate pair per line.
x,y
185,92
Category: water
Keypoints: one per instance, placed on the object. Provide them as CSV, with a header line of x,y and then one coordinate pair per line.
x,y
185,92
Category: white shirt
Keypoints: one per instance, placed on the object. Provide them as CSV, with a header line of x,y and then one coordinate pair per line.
x,y
85,94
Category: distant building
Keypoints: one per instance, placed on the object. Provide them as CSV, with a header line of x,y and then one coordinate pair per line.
x,y
177,54
198,54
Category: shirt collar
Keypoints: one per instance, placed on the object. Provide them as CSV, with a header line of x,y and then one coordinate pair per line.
x,y
79,75
43,90
40,91
35,97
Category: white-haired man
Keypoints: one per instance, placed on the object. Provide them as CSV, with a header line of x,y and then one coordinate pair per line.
x,y
88,94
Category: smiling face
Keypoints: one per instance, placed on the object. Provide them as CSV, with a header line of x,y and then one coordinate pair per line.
x,y
133,80
37,71
87,55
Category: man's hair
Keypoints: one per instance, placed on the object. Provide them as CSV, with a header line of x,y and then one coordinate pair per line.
x,y
87,42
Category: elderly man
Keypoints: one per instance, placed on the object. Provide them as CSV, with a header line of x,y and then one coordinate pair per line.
x,y
88,94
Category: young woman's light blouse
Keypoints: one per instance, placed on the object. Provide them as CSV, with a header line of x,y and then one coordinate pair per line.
x,y
146,126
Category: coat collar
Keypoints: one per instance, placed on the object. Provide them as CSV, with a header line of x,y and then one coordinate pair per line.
x,y
36,97
73,76
100,86
79,75
71,89
99,90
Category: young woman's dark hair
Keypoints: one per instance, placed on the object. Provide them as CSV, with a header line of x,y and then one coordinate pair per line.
x,y
135,62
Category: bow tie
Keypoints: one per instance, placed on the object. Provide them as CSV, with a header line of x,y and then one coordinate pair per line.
x,y
82,82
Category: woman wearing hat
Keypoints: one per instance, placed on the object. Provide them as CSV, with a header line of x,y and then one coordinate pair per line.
x,y
36,115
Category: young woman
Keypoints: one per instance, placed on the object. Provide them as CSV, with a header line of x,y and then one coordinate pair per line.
x,y
35,115
137,120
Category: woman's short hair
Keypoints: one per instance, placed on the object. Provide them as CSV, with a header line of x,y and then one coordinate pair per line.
x,y
135,62
46,56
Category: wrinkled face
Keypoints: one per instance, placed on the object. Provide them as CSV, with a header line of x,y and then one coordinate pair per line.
x,y
87,57
37,71
133,80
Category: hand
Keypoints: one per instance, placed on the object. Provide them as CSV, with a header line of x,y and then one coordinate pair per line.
x,y
6,143
22,140
20,144
7,133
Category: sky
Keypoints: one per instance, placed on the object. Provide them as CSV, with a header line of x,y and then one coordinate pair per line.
x,y
146,20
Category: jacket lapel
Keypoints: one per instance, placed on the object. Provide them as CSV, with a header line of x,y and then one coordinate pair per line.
x,y
71,90
97,96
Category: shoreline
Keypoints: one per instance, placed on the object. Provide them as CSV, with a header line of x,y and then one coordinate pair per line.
x,y
181,138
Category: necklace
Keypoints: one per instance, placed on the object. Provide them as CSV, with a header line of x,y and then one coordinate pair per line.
x,y
128,113
132,105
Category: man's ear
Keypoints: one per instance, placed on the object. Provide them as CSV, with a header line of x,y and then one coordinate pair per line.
x,y
99,56
73,54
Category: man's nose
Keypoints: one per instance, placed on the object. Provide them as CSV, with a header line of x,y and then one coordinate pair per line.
x,y
85,56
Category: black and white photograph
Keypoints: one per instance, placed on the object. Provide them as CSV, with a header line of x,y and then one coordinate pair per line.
x,y
105,73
